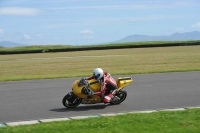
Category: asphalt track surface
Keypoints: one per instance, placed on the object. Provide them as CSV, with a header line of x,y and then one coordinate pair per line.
x,y
42,99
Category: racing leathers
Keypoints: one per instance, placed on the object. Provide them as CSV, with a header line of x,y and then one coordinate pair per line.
x,y
108,87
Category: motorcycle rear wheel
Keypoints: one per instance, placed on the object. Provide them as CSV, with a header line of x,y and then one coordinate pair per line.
x,y
71,100
122,94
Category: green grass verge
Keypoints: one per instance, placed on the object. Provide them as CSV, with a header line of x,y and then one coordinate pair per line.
x,y
187,121
115,61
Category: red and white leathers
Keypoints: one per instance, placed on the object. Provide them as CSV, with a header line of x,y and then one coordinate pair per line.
x,y
108,87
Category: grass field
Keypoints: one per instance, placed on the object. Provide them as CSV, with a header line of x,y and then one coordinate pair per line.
x,y
82,63
120,61
187,121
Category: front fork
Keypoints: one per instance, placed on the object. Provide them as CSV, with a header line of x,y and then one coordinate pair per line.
x,y
74,99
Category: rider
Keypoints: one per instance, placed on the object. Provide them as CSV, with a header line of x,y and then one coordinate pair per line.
x,y
108,84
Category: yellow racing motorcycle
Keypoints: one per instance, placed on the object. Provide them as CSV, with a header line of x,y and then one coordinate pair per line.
x,y
83,89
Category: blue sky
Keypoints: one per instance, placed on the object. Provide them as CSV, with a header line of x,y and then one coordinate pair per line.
x,y
81,22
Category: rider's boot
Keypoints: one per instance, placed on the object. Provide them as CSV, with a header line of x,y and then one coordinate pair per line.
x,y
107,98
110,97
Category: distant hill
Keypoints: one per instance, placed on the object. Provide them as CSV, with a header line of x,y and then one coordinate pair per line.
x,y
10,44
195,35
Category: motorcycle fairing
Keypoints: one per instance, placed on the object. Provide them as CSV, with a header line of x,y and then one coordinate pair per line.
x,y
78,89
96,87
122,82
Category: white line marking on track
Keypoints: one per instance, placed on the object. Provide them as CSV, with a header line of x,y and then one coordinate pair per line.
x,y
54,119
22,123
146,111
111,114
176,109
84,117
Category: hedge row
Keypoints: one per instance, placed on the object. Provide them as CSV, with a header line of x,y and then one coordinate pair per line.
x,y
96,47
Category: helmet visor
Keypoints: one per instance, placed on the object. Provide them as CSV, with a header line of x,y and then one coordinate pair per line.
x,y
96,76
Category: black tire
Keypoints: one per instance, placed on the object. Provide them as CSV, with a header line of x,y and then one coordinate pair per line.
x,y
71,100
122,94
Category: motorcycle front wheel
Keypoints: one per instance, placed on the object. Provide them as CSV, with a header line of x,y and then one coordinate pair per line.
x,y
71,100
122,94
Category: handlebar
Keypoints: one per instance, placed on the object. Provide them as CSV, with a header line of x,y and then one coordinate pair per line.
x,y
85,82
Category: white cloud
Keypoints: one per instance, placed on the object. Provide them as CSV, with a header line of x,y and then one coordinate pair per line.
x,y
87,31
19,11
1,31
27,37
197,25
112,20
154,4
87,34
